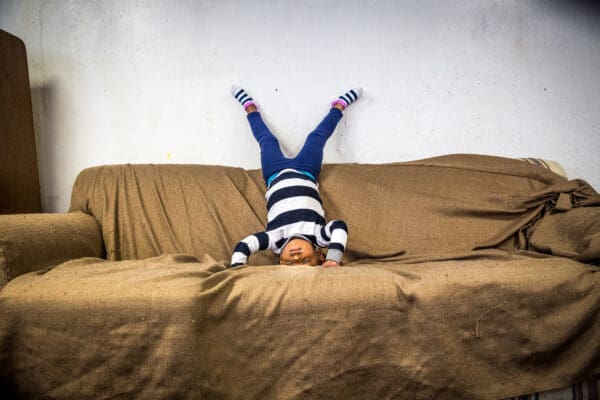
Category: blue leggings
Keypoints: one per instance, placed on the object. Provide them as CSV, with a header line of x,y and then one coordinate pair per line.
x,y
309,159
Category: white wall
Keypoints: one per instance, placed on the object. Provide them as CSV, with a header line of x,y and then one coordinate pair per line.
x,y
127,81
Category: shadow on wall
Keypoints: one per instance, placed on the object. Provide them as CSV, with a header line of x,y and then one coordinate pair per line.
x,y
45,116
580,12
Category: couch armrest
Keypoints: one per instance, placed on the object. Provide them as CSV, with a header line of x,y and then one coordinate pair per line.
x,y
574,234
29,242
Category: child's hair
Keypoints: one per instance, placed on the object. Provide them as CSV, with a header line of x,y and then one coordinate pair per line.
x,y
317,250
318,253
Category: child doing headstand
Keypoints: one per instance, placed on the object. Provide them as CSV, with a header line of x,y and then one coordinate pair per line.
x,y
296,227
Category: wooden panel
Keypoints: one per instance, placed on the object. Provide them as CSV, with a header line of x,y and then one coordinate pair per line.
x,y
19,181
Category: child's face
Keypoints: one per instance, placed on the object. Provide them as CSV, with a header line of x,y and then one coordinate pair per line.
x,y
300,252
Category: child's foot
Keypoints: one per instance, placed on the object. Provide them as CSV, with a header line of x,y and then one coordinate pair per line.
x,y
244,98
347,98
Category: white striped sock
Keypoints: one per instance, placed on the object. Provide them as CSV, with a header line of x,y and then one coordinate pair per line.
x,y
242,96
350,96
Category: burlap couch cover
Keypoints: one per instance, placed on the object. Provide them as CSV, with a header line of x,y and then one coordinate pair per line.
x,y
466,277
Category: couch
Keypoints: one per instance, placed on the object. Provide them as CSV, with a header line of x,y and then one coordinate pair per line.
x,y
465,277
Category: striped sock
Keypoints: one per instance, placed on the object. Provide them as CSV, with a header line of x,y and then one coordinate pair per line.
x,y
349,97
243,97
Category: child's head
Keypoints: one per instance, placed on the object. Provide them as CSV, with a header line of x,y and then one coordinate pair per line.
x,y
300,251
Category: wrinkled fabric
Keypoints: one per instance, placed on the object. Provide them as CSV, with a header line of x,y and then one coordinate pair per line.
x,y
424,208
573,234
466,277
30,242
489,326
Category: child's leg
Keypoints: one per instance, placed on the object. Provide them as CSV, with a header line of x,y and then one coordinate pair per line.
x,y
271,158
309,159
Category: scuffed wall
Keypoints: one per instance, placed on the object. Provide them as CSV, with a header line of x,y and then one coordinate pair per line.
x,y
148,82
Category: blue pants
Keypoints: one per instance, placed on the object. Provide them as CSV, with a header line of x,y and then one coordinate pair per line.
x,y
309,158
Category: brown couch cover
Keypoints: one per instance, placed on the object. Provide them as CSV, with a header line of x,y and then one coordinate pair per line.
x,y
466,277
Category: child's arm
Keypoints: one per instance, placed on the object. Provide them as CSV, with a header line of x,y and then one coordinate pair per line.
x,y
329,264
334,235
251,244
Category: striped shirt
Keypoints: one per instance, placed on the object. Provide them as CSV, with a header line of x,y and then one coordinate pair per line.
x,y
294,207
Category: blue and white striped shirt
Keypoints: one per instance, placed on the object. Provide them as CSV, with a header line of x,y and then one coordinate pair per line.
x,y
294,207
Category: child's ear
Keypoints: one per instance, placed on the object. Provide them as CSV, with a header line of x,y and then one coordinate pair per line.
x,y
320,256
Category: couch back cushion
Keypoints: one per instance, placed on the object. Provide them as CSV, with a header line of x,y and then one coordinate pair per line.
x,y
438,206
